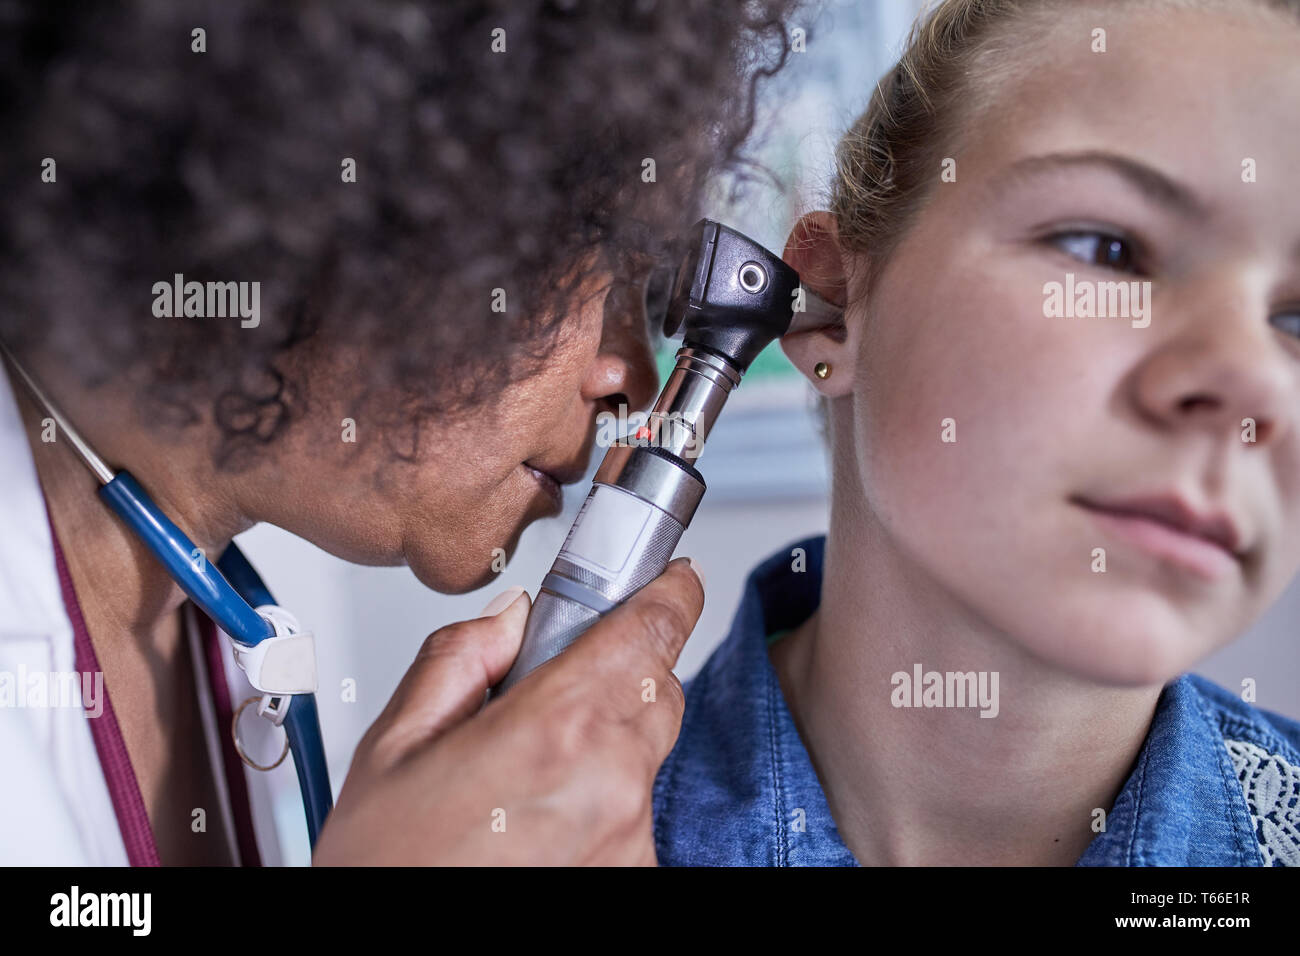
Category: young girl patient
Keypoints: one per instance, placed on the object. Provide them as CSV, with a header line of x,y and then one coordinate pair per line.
x,y
1065,464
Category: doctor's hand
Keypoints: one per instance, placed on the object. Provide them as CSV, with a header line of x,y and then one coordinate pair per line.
x,y
558,771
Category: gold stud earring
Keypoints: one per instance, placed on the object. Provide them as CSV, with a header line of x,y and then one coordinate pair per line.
x,y
822,370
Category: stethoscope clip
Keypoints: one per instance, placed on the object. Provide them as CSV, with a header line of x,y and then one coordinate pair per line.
x,y
284,664
279,666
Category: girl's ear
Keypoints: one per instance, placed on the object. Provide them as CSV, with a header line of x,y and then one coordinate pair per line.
x,y
825,357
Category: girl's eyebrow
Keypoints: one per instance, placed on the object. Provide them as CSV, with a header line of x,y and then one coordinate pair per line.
x,y
1152,183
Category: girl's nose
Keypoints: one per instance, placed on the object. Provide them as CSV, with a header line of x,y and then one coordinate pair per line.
x,y
1226,365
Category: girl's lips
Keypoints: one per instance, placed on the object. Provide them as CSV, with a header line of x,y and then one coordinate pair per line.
x,y
1191,552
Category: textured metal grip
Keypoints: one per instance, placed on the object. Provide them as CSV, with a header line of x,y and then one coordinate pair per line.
x,y
619,543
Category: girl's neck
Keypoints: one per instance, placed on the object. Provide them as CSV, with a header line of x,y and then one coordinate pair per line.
x,y
919,785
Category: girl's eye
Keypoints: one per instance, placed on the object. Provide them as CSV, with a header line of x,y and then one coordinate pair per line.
x,y
1097,248
1288,322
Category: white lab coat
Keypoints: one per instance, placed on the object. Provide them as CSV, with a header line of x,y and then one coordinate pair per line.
x,y
55,807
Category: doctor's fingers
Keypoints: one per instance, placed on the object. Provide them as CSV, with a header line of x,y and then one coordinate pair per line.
x,y
619,672
447,682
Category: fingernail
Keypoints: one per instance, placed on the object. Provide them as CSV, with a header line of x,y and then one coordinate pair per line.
x,y
699,571
502,601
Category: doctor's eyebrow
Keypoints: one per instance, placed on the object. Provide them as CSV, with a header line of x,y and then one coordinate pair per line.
x,y
1152,183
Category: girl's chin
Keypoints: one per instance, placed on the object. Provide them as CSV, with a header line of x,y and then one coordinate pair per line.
x,y
1124,637
1127,655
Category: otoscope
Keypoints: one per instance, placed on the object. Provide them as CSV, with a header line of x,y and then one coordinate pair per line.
x,y
730,298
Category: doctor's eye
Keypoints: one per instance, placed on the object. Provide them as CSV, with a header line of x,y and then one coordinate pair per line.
x,y
1098,249
658,293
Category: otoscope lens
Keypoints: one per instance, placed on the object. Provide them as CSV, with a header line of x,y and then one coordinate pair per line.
x,y
681,295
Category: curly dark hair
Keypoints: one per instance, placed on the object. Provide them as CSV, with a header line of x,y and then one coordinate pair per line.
x,y
475,170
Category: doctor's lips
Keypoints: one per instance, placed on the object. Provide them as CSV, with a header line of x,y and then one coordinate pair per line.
x,y
1165,525
553,478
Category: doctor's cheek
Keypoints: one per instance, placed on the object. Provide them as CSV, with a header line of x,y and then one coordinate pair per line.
x,y
508,464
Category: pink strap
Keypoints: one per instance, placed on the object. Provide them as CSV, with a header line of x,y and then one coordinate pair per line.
x,y
132,818
123,788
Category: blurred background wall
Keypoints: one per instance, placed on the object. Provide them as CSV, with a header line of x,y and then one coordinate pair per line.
x,y
765,464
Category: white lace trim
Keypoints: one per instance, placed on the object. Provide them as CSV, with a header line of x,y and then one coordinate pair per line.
x,y
1272,790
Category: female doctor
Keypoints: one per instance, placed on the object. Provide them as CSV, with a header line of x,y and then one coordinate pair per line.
x,y
435,225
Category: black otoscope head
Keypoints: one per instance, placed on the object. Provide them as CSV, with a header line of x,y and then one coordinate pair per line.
x,y
733,297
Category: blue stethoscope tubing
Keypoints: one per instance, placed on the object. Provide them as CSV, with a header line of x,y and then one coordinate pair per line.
x,y
227,592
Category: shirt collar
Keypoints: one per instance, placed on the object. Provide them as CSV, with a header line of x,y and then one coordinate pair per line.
x,y
31,606
733,787
1182,804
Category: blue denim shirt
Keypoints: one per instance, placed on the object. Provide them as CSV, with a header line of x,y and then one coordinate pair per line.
x,y
1217,782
